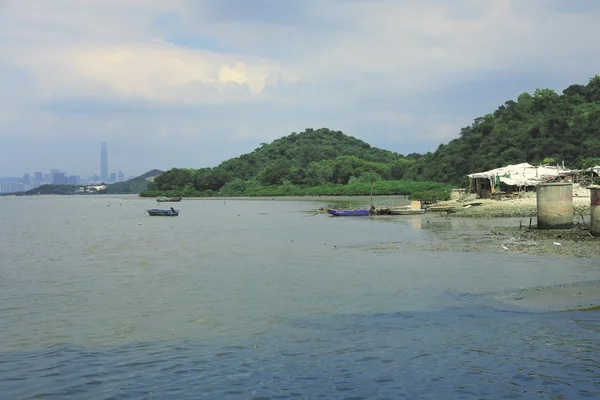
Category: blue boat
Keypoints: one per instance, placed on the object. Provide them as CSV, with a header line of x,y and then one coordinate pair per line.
x,y
157,212
350,213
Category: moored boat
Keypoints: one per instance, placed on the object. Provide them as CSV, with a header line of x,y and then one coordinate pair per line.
x,y
349,213
157,212
168,199
406,212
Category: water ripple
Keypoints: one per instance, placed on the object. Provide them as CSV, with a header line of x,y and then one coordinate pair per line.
x,y
272,307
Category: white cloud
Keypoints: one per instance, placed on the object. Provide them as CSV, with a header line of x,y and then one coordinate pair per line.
x,y
220,71
411,45
103,49
157,72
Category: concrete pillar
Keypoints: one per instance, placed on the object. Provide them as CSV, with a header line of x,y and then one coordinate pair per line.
x,y
555,206
595,210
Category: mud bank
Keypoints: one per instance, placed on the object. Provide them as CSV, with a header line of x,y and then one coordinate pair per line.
x,y
563,297
510,236
513,208
498,235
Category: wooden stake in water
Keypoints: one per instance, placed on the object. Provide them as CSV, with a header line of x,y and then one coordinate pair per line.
x,y
371,194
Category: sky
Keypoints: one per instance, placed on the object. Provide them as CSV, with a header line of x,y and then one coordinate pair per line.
x,y
191,83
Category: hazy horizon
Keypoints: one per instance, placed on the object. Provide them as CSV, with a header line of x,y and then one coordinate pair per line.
x,y
191,83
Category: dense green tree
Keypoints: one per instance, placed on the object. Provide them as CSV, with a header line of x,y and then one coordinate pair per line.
x,y
543,127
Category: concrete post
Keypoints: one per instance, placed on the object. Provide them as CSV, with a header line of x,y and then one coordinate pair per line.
x,y
555,206
595,210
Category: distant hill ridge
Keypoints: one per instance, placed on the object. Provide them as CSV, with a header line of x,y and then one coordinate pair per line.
x,y
133,186
150,174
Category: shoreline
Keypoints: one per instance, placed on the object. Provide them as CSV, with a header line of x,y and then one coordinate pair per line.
x,y
507,235
496,226
523,207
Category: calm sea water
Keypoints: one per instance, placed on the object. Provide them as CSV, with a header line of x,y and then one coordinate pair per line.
x,y
265,300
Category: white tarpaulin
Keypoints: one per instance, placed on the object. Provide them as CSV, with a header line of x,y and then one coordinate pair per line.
x,y
520,174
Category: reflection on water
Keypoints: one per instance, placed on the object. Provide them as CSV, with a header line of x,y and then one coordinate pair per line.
x,y
261,299
415,222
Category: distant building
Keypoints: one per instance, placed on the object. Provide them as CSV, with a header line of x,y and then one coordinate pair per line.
x,y
26,179
121,176
39,178
113,177
59,178
103,162
73,180
11,187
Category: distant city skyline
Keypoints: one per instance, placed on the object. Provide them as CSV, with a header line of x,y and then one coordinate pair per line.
x,y
55,176
103,174
84,160
32,179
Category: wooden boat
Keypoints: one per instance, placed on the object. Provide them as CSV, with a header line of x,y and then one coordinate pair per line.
x,y
350,213
168,199
452,208
406,212
156,212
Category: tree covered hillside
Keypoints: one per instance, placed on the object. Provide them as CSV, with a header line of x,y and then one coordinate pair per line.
x,y
543,127
298,150
135,185
322,158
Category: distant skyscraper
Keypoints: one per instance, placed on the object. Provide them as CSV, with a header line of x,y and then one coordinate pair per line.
x,y
39,177
59,178
103,163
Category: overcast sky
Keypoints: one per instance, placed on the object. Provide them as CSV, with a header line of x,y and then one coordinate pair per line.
x,y
190,83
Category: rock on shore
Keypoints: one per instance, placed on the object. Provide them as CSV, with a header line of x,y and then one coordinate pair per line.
x,y
509,208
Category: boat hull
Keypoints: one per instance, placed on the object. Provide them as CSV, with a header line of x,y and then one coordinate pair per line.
x,y
349,213
406,212
155,212
168,199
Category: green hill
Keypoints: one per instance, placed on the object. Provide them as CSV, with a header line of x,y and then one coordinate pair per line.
x,y
50,189
150,174
299,150
313,162
132,186
543,127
